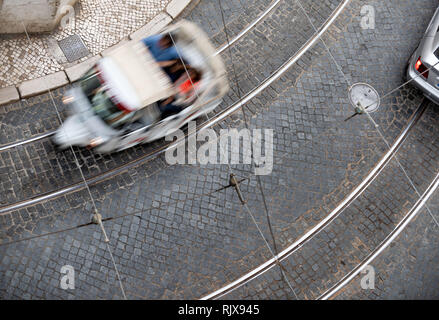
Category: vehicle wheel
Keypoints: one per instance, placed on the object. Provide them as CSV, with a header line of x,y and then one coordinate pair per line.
x,y
57,147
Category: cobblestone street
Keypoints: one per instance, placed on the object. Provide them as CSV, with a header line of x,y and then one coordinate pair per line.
x,y
337,191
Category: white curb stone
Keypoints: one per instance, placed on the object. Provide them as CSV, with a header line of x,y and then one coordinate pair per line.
x,y
175,7
33,87
8,95
110,49
155,25
77,71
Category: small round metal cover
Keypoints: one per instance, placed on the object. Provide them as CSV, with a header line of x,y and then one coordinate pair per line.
x,y
365,95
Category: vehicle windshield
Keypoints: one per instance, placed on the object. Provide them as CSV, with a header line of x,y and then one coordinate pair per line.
x,y
90,82
101,102
108,111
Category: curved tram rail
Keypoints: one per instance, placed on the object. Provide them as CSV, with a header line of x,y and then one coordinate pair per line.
x,y
386,242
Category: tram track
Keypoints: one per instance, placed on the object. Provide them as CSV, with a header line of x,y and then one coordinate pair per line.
x,y
206,124
284,254
385,243
354,194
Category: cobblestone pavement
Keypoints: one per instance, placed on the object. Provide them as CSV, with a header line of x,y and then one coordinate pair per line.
x,y
237,15
322,157
100,24
173,235
260,287
408,268
22,120
337,249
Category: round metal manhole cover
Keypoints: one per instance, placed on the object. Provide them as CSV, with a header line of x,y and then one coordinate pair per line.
x,y
365,95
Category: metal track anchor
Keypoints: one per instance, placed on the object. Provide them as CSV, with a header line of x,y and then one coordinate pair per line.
x,y
235,183
359,109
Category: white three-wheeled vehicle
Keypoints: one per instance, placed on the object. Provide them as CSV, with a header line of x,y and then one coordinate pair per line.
x,y
114,106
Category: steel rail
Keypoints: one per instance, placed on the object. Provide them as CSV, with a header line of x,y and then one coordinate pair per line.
x,y
20,143
386,242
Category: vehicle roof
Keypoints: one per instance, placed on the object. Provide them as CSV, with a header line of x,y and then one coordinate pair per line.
x,y
134,77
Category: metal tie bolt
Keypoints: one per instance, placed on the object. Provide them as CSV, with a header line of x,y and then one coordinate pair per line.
x,y
97,218
359,109
234,183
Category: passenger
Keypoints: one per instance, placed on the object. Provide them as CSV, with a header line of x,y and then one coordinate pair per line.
x,y
174,70
187,83
185,95
162,48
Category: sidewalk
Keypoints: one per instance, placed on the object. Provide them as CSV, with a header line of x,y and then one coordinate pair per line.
x,y
35,64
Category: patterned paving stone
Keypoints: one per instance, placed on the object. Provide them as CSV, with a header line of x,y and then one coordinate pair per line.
x,y
100,24
407,269
39,113
360,228
173,253
32,269
162,232
237,15
319,158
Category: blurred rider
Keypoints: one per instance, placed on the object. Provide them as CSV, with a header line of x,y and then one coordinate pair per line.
x,y
161,47
175,70
185,95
